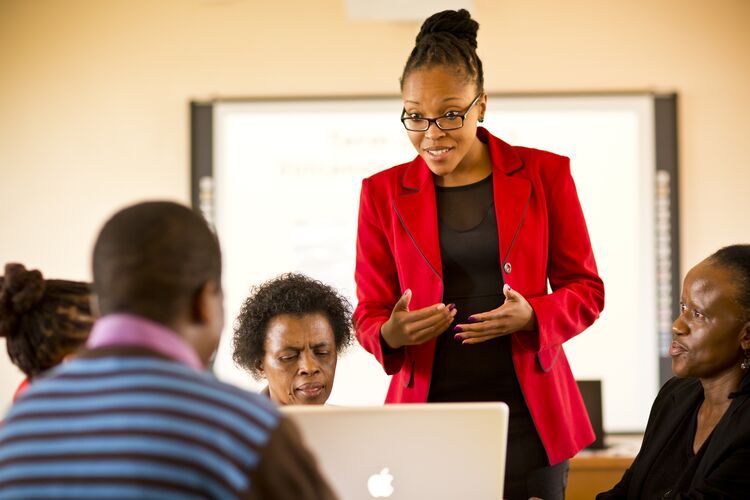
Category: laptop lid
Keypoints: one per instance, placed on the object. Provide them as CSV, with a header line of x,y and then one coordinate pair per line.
x,y
409,451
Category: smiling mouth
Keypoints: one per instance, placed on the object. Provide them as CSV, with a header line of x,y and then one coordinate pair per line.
x,y
437,153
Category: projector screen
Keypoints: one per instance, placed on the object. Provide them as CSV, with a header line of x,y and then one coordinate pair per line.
x,y
280,181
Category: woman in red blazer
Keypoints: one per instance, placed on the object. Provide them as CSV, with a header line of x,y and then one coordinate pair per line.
x,y
454,252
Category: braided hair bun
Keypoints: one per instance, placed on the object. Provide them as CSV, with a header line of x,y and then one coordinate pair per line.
x,y
20,291
42,320
448,38
457,23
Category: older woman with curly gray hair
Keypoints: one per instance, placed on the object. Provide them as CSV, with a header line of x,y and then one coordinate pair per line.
x,y
290,331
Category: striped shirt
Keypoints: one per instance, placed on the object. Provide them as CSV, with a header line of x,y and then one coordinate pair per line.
x,y
127,423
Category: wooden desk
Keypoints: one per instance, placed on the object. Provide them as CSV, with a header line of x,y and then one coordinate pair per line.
x,y
594,471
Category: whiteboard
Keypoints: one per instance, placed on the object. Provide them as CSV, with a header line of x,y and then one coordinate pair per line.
x,y
284,196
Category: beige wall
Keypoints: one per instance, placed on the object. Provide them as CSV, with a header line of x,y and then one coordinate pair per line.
x,y
94,95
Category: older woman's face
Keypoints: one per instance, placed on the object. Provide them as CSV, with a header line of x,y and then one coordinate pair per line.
x,y
707,335
300,359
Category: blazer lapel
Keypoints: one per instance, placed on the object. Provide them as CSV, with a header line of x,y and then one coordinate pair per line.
x,y
512,193
416,209
512,197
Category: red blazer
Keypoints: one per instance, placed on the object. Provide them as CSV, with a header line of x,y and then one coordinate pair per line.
x,y
542,235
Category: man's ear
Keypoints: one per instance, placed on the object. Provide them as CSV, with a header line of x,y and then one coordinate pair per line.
x,y
201,309
259,368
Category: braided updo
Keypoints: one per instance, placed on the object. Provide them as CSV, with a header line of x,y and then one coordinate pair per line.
x,y
42,320
448,38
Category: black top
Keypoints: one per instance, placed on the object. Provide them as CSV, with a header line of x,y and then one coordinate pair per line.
x,y
718,470
675,459
472,280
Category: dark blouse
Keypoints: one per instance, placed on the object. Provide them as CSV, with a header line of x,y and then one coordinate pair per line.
x,y
675,460
472,280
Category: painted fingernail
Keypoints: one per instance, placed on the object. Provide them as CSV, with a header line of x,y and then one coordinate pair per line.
x,y
451,307
471,319
457,329
458,338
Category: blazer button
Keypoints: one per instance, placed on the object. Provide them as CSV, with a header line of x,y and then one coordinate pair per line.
x,y
508,268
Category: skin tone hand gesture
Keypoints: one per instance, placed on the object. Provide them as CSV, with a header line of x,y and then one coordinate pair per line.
x,y
406,327
514,315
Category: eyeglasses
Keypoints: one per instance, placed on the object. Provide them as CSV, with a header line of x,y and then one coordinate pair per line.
x,y
449,121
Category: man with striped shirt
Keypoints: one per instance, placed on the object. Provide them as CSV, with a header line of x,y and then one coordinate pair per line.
x,y
135,415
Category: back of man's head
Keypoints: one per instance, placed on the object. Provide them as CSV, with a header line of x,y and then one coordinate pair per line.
x,y
151,259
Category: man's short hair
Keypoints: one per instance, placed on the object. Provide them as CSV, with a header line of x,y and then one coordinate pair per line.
x,y
151,259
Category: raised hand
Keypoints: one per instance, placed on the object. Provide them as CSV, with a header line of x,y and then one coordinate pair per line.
x,y
406,327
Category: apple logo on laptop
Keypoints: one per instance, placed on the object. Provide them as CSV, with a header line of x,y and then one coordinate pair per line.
x,y
379,485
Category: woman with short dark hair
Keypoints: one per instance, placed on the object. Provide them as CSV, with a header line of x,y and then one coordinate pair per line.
x,y
290,331
697,442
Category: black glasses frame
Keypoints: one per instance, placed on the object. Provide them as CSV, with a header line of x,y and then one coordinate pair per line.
x,y
436,121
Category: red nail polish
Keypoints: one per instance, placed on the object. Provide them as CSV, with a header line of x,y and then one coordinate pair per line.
x,y
471,319
457,329
458,338
451,307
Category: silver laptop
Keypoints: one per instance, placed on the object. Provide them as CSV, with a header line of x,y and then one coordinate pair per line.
x,y
411,451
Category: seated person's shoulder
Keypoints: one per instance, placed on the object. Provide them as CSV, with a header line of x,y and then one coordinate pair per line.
x,y
235,397
288,469
679,384
677,387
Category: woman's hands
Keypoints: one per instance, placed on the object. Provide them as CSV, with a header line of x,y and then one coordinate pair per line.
x,y
406,327
514,315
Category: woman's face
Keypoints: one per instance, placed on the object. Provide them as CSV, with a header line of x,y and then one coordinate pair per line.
x,y
300,359
709,334
452,155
